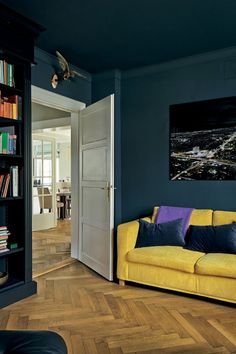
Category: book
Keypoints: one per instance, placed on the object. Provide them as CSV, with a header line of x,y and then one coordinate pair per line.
x,y
3,242
4,237
10,75
14,181
15,102
5,72
5,185
14,138
1,72
8,140
19,108
1,182
3,228
3,245
4,250
5,137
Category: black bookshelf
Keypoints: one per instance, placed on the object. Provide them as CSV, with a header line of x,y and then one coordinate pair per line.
x,y
17,36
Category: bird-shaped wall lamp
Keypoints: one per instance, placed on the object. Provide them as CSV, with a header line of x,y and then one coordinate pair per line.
x,y
65,74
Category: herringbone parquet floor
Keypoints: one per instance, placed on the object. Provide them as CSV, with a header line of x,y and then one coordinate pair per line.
x,y
51,247
98,317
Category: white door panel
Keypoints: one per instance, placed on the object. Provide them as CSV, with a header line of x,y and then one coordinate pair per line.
x,y
94,130
96,192
99,239
95,164
93,199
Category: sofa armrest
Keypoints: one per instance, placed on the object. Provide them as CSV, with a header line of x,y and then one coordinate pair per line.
x,y
126,238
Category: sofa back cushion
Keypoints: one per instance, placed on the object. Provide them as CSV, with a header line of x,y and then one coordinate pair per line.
x,y
223,217
201,217
198,217
212,239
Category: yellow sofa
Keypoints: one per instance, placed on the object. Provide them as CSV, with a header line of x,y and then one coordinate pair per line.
x,y
171,267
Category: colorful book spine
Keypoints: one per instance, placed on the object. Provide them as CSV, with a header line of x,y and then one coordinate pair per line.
x,y
14,181
11,107
5,138
8,140
1,72
5,185
7,73
4,234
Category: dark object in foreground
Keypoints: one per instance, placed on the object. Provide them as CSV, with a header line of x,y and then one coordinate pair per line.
x,y
31,342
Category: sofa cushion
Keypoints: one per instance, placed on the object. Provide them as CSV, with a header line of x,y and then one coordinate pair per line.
x,y
218,264
167,233
201,217
173,257
223,217
212,239
198,216
170,213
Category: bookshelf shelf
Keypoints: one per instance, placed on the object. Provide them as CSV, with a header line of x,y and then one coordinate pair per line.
x,y
10,121
10,156
8,253
11,283
11,90
10,199
16,56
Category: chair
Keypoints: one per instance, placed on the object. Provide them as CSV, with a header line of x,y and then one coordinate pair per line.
x,y
68,206
59,206
43,193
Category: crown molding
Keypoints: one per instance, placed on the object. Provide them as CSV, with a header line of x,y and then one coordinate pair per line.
x,y
225,53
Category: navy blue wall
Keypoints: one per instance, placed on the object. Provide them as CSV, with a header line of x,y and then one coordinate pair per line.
x,y
78,88
105,84
146,96
142,99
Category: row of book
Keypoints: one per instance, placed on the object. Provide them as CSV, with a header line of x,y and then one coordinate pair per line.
x,y
11,107
7,143
9,183
7,73
4,234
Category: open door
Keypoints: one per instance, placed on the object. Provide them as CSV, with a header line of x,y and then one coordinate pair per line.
x,y
96,186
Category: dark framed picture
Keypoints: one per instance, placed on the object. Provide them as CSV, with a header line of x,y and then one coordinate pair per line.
x,y
203,140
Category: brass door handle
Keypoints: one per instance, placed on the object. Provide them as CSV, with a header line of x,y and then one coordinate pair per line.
x,y
108,188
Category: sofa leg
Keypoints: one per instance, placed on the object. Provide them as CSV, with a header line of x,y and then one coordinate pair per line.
x,y
121,282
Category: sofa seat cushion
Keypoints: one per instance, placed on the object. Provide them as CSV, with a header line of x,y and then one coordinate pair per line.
x,y
218,264
173,257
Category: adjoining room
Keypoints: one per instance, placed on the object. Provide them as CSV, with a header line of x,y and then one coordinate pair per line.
x,y
51,218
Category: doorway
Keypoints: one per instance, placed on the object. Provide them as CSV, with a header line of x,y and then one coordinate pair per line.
x,y
51,176
92,176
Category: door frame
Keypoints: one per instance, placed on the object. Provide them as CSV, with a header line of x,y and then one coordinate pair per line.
x,y
54,100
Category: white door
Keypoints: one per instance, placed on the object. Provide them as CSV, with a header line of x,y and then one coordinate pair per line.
x,y
96,186
44,193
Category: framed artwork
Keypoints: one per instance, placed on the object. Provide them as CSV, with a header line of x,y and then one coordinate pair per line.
x,y
203,140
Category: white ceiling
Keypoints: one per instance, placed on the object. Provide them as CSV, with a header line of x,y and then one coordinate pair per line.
x,y
42,113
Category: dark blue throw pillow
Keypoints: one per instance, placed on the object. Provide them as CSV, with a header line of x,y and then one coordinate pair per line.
x,y
212,239
165,234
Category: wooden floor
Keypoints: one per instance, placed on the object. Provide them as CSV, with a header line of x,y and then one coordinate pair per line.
x,y
96,316
51,247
